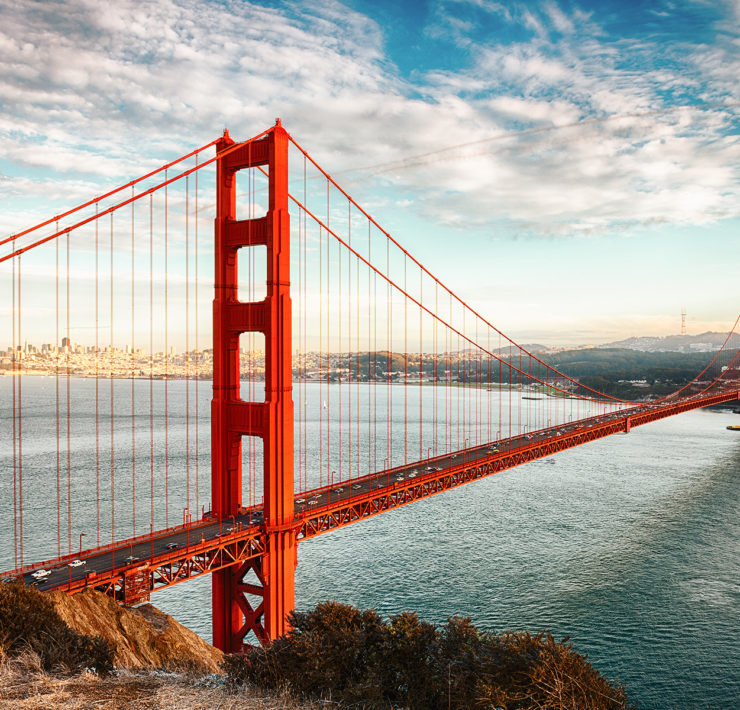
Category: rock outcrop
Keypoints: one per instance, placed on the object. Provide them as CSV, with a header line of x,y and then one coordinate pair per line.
x,y
143,636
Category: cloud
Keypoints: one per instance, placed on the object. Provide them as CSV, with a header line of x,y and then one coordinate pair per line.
x,y
101,92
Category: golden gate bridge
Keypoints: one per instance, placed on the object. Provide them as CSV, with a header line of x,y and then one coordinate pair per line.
x,y
347,380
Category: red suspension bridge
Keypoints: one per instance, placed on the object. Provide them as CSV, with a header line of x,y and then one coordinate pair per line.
x,y
347,380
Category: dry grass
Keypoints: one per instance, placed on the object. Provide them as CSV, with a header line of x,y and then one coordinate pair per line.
x,y
24,685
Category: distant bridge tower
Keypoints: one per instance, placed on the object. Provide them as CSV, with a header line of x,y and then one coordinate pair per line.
x,y
272,420
683,321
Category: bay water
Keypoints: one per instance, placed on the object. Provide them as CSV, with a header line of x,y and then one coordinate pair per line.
x,y
630,545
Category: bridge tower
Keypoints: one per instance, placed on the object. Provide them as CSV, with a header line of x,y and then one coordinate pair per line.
x,y
233,418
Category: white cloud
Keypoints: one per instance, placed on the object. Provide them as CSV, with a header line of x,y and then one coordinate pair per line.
x,y
111,89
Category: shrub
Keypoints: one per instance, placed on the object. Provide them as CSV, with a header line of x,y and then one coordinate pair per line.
x,y
29,622
355,657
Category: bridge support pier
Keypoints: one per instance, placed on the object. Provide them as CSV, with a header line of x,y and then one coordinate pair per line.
x,y
234,616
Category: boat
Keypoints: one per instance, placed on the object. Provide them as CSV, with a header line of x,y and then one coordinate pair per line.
x,y
531,397
734,428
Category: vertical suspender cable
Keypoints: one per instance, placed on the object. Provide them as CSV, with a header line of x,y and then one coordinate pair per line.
x,y
15,421
166,366
197,354
321,346
56,382
340,305
112,400
298,309
151,363
357,376
391,363
421,369
20,419
187,343
305,327
405,365
97,379
372,322
133,380
349,344
328,336
69,419
435,370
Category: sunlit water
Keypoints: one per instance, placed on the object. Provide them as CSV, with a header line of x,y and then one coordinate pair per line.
x,y
629,545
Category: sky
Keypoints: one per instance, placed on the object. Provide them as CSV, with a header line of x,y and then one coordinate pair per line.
x,y
571,169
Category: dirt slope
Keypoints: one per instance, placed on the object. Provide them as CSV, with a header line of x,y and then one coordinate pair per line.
x,y
143,636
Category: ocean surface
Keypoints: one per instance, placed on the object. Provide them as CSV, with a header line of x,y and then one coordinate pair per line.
x,y
630,546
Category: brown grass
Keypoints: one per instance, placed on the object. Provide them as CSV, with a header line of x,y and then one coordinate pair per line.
x,y
24,685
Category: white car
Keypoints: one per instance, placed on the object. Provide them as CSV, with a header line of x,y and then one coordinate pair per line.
x,y
41,573
76,563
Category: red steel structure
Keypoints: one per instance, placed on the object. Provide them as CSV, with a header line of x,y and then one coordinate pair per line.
x,y
389,340
272,420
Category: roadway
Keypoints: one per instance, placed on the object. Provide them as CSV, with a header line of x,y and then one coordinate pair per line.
x,y
178,541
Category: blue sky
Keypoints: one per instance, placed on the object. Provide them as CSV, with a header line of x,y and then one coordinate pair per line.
x,y
572,169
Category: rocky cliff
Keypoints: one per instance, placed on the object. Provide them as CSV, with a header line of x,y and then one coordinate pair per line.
x,y
143,636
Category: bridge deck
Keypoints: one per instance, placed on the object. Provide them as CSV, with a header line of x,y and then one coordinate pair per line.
x,y
131,569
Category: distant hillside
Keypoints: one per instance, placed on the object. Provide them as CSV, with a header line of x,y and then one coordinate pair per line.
x,y
630,373
702,343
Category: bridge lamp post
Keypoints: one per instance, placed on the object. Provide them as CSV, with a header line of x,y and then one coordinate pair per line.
x,y
81,536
